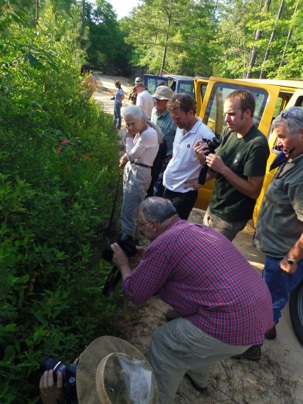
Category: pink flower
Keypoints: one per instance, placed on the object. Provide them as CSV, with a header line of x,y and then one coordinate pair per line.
x,y
65,141
59,150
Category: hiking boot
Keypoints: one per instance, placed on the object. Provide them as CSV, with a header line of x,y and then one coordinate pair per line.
x,y
271,333
172,315
251,354
196,387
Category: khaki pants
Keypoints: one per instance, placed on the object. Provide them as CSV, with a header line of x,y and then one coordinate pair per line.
x,y
179,347
228,229
136,180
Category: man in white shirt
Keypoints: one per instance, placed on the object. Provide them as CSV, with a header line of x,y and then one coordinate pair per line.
x,y
144,100
184,165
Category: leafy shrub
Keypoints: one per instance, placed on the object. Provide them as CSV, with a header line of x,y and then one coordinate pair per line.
x,y
58,159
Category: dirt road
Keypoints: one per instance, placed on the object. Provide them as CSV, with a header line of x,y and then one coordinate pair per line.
x,y
276,378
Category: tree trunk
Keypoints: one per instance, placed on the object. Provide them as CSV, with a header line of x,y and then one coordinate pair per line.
x,y
253,52
266,56
163,61
288,37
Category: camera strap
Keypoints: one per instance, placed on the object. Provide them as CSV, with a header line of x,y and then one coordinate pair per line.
x,y
108,228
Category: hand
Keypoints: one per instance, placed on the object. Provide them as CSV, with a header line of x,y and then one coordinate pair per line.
x,y
192,184
215,163
289,268
51,392
119,257
201,150
123,160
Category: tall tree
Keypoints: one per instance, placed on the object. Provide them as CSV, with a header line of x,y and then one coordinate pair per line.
x,y
266,56
168,32
106,48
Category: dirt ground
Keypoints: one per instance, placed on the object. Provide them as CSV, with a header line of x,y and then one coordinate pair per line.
x,y
276,378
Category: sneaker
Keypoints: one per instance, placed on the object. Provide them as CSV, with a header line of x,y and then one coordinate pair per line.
x,y
271,333
172,315
196,387
251,354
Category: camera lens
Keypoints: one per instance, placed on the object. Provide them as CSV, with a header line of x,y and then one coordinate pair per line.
x,y
55,364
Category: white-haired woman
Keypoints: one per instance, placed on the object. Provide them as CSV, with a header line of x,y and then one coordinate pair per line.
x,y
137,161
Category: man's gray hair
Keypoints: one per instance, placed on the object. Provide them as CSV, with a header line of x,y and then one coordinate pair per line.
x,y
157,209
292,117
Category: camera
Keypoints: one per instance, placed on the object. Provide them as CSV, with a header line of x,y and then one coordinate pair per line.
x,y
212,144
128,245
68,375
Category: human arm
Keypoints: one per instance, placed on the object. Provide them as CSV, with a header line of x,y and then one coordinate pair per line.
x,y
123,160
250,187
121,260
136,147
51,392
201,151
296,254
142,282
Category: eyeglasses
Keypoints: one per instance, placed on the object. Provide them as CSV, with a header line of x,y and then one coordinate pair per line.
x,y
290,114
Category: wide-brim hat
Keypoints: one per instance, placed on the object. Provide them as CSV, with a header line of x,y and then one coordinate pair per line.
x,y
163,93
113,371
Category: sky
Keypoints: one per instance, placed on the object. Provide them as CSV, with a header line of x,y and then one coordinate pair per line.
x,y
123,7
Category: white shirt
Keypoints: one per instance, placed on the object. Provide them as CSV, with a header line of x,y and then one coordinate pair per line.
x,y
184,165
146,102
144,147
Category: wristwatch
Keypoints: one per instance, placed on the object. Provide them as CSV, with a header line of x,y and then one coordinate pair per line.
x,y
291,261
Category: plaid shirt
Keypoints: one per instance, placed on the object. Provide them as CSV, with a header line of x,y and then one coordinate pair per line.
x,y
201,274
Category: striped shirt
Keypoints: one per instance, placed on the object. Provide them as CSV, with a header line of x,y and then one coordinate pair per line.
x,y
201,274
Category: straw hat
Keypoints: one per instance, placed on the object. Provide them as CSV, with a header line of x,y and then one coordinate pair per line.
x,y
113,371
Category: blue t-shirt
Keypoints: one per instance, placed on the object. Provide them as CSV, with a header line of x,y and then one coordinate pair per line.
x,y
118,95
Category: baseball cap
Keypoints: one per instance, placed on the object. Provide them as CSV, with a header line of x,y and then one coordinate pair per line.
x,y
163,93
138,80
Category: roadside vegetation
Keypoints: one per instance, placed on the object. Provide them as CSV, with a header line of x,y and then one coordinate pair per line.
x,y
58,153
58,164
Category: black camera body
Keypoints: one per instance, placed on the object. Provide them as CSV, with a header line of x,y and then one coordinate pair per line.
x,y
68,375
212,144
128,245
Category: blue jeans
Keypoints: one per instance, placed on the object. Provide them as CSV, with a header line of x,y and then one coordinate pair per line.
x,y
280,283
117,113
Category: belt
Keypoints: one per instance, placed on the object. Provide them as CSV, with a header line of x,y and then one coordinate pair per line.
x,y
140,164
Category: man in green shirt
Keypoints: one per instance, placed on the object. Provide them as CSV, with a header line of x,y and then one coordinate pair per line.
x,y
238,165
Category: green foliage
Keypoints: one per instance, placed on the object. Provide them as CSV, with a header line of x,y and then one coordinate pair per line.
x,y
228,39
105,45
58,159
